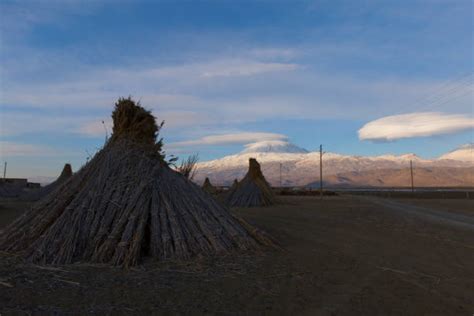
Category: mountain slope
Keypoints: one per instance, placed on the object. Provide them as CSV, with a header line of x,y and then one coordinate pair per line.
x,y
423,177
302,167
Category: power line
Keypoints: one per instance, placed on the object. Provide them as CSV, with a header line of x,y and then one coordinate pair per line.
x,y
453,98
452,93
448,91
446,86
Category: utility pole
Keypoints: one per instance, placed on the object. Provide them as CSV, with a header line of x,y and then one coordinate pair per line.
x,y
280,176
321,171
411,173
5,171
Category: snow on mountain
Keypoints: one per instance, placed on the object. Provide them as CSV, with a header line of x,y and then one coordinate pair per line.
x,y
300,167
273,146
463,153
405,157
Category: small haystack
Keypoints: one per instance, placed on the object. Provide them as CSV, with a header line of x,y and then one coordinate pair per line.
x,y
234,185
253,190
65,174
127,204
44,191
208,187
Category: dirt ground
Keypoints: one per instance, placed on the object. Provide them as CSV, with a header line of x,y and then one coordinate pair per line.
x,y
342,256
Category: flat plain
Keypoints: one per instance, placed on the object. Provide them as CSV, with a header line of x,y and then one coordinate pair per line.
x,y
344,255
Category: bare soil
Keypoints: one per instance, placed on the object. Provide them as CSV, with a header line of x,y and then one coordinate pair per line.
x,y
342,256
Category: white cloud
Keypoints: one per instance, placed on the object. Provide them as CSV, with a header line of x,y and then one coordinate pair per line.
x,y
415,125
229,139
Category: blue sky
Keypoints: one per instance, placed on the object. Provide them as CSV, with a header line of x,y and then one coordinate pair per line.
x,y
310,71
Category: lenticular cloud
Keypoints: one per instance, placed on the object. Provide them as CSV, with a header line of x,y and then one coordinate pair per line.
x,y
421,124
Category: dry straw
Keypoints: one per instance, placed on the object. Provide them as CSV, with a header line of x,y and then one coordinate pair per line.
x,y
208,187
125,204
253,190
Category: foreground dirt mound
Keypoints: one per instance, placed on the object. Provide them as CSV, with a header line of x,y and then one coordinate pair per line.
x,y
126,204
253,190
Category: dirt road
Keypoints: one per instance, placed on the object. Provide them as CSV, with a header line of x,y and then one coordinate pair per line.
x,y
428,213
343,256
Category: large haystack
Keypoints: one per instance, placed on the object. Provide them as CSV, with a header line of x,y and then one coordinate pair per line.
x,y
253,190
208,187
127,204
44,191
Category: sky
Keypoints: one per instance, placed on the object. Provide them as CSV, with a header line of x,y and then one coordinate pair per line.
x,y
359,77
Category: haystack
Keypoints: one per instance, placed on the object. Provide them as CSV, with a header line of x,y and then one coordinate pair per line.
x,y
208,187
253,190
44,191
234,185
127,204
65,174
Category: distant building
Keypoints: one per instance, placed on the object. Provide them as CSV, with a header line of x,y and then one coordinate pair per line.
x,y
15,181
15,187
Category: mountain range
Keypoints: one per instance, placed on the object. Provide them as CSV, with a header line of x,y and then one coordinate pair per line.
x,y
300,167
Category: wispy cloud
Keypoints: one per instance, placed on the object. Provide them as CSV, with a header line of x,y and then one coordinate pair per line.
x,y
96,127
20,123
97,87
229,139
186,104
275,53
11,149
410,125
247,69
22,15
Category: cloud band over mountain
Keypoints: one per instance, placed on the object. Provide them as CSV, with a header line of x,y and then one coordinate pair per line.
x,y
229,139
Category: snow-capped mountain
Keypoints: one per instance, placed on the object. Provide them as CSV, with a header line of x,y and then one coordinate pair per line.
x,y
300,167
463,153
